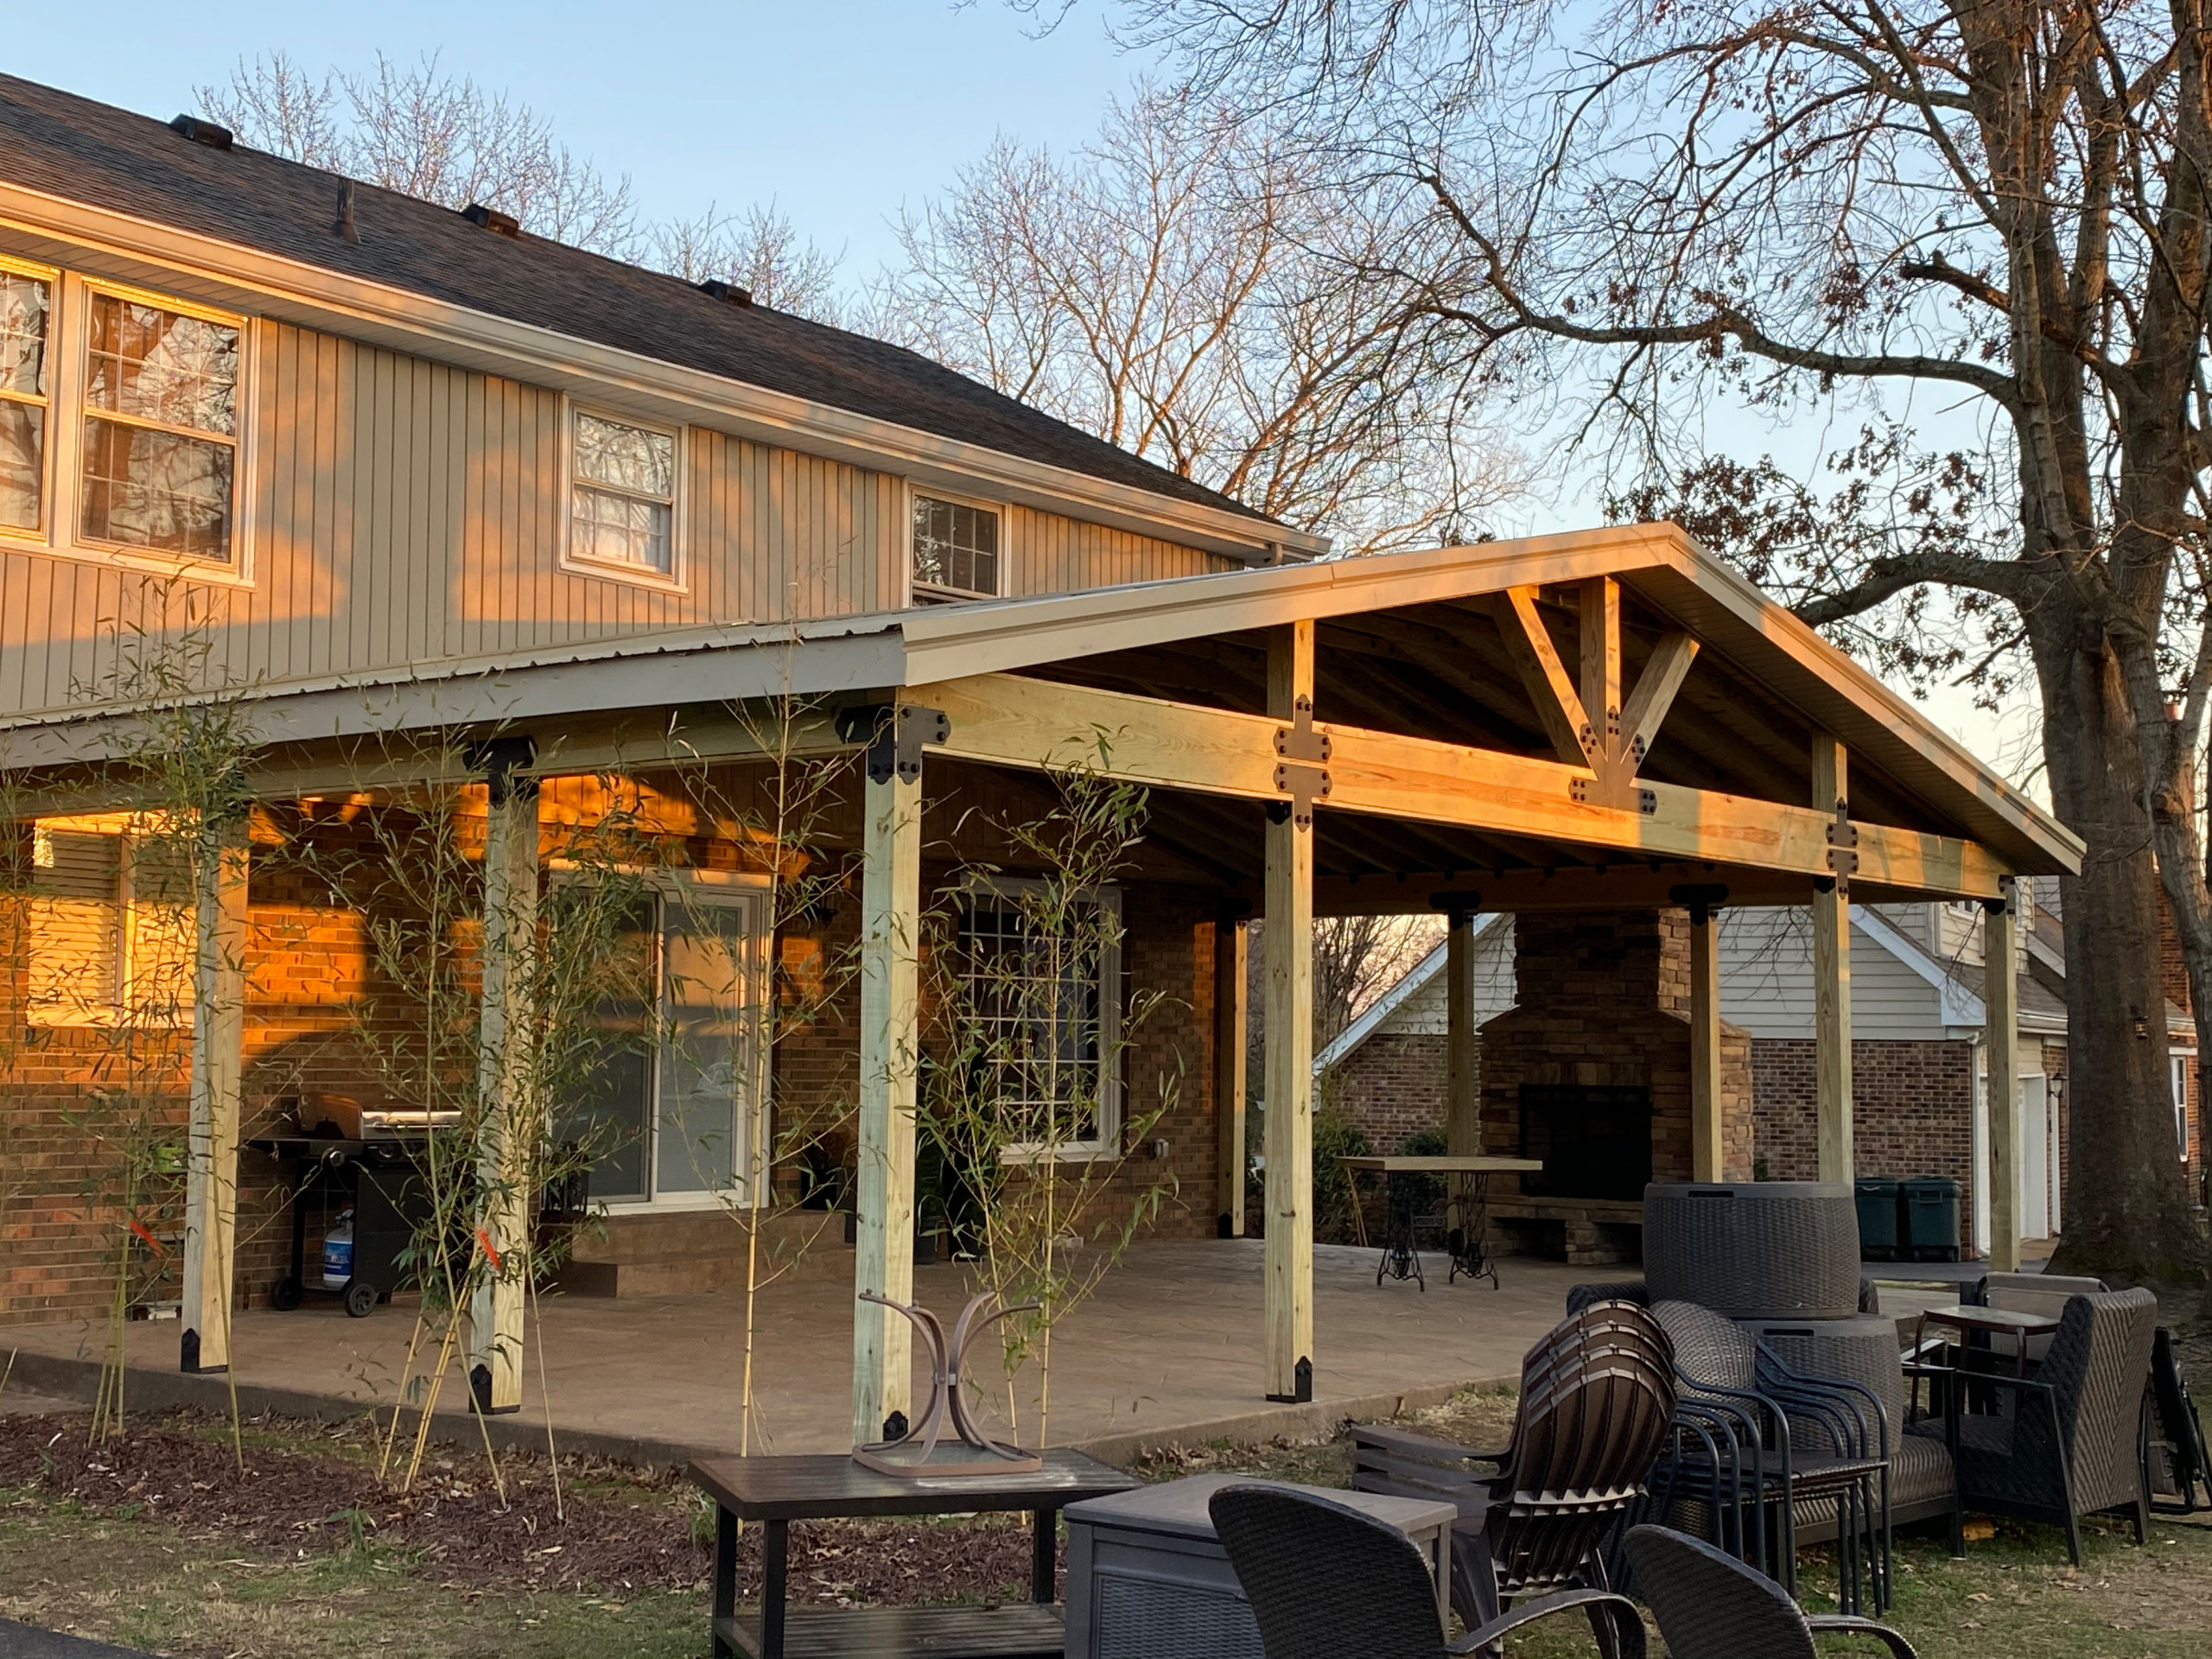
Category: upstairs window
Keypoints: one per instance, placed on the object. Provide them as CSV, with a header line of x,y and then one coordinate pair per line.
x,y
622,495
955,549
26,306
160,428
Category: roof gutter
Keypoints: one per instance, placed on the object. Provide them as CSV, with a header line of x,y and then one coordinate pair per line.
x,y
247,279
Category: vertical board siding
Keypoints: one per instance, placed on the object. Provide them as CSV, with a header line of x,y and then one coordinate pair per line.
x,y
400,512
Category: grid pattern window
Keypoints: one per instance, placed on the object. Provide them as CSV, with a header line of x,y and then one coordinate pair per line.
x,y
1041,998
111,926
2180,1064
161,429
26,325
956,548
622,495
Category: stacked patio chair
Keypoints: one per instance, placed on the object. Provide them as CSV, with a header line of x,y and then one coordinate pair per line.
x,y
1596,1400
2069,1444
1762,1456
1710,1605
1327,1582
2175,1460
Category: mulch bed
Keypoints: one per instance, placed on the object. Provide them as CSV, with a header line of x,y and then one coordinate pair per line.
x,y
624,1531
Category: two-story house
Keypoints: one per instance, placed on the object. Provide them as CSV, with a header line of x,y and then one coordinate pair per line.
x,y
414,518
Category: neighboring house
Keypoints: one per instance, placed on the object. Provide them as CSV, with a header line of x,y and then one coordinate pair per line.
x,y
1385,1072
1919,1061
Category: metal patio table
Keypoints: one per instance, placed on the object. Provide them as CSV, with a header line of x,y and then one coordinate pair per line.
x,y
1470,1173
776,1492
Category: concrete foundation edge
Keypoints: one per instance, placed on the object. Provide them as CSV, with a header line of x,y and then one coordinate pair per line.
x,y
69,1378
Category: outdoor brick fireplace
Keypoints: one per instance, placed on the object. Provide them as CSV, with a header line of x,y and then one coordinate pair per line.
x,y
1590,1072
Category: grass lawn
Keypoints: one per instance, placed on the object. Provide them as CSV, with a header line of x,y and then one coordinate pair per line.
x,y
295,1584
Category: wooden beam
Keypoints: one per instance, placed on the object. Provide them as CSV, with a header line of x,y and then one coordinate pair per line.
x,y
1654,695
2001,1038
1289,1094
1601,663
1709,1152
1005,719
1831,976
211,1176
1528,642
883,1258
1462,1122
1231,1037
508,1126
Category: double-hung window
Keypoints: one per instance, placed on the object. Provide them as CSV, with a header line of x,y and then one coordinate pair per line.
x,y
622,495
111,927
955,549
1041,985
160,462
26,315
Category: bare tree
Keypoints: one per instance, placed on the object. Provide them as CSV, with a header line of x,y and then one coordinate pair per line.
x,y
426,133
759,251
449,139
1997,207
1180,288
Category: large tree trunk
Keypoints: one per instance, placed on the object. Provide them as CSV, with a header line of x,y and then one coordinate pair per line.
x,y
2127,1216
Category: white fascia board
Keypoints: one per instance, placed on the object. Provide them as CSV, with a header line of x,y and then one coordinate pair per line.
x,y
650,672
1955,1004
147,253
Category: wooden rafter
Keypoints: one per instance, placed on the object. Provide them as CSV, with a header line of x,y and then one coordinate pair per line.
x,y
1559,706
1654,695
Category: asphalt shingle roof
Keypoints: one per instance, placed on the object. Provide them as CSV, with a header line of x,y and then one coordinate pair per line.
x,y
73,147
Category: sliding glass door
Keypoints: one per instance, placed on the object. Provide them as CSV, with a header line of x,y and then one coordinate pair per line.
x,y
668,1109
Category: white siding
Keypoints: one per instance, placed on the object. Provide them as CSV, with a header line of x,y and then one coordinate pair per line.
x,y
1766,981
1423,1013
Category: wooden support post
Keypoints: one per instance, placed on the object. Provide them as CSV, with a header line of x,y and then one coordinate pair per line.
x,y
1708,1151
883,1260
1462,1122
218,1067
1288,943
1232,1034
508,1126
1832,966
1601,663
2002,1040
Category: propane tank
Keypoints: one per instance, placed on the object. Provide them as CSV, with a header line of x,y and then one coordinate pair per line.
x,y
337,1252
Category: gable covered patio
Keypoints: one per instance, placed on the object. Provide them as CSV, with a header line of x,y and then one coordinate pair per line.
x,y
1608,724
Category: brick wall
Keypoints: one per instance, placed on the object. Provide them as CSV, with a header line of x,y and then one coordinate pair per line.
x,y
1912,1112
308,971
1391,1086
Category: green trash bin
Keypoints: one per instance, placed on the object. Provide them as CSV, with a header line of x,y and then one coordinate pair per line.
x,y
1931,1219
1879,1198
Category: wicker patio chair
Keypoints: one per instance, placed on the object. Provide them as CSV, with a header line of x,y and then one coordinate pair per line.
x,y
2070,1445
1636,1290
1327,1582
1710,1605
1803,1457
2175,1461
1597,1398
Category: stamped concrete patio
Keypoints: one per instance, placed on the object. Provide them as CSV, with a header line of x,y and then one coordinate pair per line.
x,y
1167,1350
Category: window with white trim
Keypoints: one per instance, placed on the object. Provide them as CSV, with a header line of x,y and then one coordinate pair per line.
x,y
621,494
955,553
2181,1064
26,319
112,928
158,469
1041,986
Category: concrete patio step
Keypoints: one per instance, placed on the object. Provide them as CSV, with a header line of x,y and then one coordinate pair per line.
x,y
665,1254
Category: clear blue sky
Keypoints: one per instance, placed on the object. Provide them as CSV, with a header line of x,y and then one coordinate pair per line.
x,y
838,110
